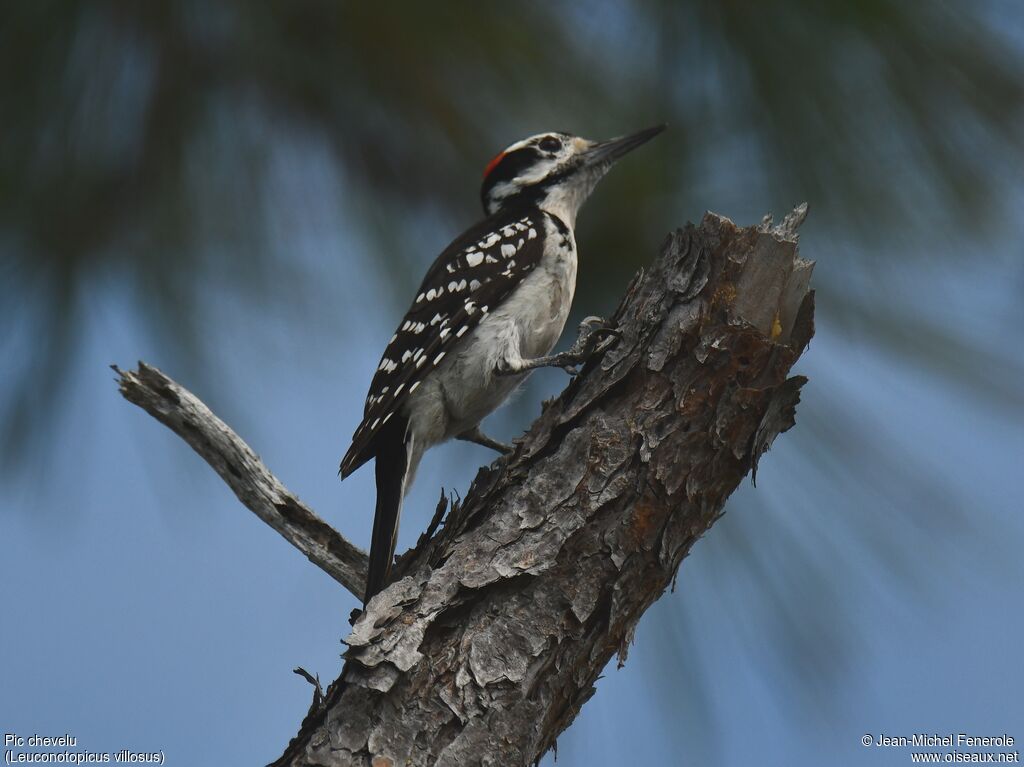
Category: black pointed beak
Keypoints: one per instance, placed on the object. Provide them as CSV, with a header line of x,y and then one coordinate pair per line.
x,y
607,152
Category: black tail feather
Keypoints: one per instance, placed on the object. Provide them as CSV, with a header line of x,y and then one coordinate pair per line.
x,y
392,465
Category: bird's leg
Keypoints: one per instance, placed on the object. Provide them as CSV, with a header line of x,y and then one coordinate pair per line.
x,y
593,332
477,437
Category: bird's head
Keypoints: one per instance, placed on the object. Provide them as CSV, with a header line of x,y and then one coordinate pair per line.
x,y
554,171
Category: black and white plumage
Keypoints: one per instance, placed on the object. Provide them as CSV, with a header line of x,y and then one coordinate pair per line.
x,y
489,309
471,277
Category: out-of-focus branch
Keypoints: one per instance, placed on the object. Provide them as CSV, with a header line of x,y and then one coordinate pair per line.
x,y
236,463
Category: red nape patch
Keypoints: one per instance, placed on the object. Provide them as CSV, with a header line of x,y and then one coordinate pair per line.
x,y
493,164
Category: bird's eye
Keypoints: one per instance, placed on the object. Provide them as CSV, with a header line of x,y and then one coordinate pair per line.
x,y
550,144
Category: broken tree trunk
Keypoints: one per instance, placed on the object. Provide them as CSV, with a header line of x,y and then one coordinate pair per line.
x,y
492,635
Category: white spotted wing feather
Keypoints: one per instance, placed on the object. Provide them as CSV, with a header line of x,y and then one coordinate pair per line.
x,y
469,279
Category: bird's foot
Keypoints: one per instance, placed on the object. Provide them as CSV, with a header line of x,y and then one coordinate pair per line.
x,y
477,437
595,336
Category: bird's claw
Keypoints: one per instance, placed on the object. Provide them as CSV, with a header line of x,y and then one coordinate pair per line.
x,y
593,331
595,335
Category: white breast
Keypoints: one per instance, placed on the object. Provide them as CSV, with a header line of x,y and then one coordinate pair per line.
x,y
465,388
540,306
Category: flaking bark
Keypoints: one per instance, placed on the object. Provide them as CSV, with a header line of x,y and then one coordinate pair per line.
x,y
490,639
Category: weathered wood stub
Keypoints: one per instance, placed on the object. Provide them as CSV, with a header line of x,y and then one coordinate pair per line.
x,y
490,640
492,635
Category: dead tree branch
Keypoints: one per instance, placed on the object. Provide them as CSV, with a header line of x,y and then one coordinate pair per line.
x,y
491,637
238,465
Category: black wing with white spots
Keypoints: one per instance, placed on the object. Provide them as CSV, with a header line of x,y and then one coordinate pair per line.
x,y
469,279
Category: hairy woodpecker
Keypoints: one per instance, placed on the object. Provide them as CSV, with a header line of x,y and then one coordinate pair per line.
x,y
489,310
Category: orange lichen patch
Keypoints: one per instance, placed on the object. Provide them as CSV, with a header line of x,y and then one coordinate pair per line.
x,y
382,761
526,560
693,404
645,520
724,295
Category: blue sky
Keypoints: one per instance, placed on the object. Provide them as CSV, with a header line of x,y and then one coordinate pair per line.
x,y
145,608
870,583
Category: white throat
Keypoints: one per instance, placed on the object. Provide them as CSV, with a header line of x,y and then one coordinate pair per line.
x,y
564,203
565,200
